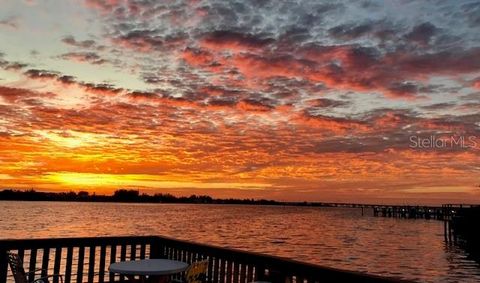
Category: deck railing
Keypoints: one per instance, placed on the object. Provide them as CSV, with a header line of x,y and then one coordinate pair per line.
x,y
87,260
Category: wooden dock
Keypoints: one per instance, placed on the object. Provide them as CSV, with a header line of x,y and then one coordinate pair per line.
x,y
443,212
461,229
87,260
406,211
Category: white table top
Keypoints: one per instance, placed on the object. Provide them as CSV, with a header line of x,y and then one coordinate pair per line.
x,y
148,267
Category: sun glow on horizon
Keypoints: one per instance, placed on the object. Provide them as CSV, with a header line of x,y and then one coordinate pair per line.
x,y
114,181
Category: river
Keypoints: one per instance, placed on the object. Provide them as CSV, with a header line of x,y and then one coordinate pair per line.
x,y
335,237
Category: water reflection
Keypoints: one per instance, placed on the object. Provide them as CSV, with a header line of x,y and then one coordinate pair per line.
x,y
337,237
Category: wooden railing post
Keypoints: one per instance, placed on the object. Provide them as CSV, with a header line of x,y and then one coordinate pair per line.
x,y
157,248
3,265
260,273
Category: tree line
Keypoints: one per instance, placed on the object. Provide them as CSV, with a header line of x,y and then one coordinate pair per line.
x,y
122,195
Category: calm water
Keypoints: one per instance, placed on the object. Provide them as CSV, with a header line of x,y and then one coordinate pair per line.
x,y
336,237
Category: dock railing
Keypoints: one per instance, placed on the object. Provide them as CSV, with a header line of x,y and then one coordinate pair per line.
x,y
87,260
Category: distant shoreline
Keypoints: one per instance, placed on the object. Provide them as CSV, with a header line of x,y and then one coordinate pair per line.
x,y
134,196
122,196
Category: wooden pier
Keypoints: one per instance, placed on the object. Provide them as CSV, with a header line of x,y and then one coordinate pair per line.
x,y
461,229
406,211
444,212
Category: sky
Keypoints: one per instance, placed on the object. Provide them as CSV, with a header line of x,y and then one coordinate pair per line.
x,y
351,101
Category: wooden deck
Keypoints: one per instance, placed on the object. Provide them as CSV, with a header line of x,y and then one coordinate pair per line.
x,y
87,260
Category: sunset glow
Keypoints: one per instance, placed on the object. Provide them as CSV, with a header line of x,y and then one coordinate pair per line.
x,y
256,99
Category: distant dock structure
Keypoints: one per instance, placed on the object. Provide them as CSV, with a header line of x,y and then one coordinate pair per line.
x,y
460,221
461,228
413,212
444,212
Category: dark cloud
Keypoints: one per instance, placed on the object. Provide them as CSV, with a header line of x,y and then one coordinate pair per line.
x,y
439,106
70,40
230,39
102,88
448,62
150,40
473,106
11,94
422,33
66,79
15,66
351,31
326,103
283,40
404,89
142,94
84,57
98,88
41,74
11,22
151,79
472,12
17,95
222,101
12,66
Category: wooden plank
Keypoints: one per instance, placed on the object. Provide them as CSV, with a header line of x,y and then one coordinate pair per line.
x,y
179,254
56,265
21,254
45,259
3,265
190,256
236,272
33,262
91,264
133,251
157,250
167,251
68,265
81,258
250,273
184,255
210,269
113,259
243,273
142,251
260,272
216,270
123,252
229,271
123,256
222,271
101,267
